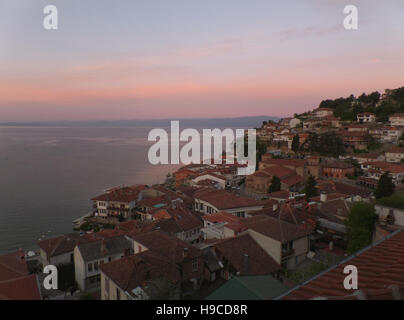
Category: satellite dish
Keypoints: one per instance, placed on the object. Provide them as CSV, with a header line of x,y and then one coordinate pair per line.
x,y
31,253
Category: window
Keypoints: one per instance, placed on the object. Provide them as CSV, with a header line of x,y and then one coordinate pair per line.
x,y
95,266
90,267
118,294
195,265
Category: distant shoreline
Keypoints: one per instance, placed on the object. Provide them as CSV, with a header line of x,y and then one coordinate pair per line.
x,y
188,122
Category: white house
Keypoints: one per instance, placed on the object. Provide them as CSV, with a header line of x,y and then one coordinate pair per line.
x,y
366,117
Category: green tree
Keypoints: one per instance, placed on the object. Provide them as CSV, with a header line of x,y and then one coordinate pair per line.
x,y
310,187
385,187
275,185
296,143
373,144
360,226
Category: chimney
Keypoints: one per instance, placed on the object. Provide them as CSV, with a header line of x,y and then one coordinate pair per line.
x,y
331,246
323,197
246,262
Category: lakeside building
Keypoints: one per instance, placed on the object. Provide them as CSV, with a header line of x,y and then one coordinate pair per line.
x,y
119,201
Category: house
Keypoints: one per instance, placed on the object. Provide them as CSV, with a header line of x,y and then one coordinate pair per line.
x,y
287,243
397,119
260,181
16,282
365,117
390,216
181,223
208,201
13,265
323,112
374,170
298,165
357,128
380,275
355,139
59,250
221,225
368,157
21,288
187,257
338,169
386,134
354,191
143,276
395,154
332,211
116,202
89,256
280,196
219,180
249,288
242,255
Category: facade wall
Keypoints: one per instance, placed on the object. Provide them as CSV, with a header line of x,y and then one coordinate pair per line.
x,y
270,246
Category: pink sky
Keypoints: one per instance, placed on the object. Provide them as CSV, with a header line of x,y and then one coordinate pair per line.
x,y
263,67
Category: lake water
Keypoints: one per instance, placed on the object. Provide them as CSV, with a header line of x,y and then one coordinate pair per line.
x,y
48,175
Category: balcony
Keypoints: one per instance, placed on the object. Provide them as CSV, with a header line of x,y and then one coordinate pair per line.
x,y
111,208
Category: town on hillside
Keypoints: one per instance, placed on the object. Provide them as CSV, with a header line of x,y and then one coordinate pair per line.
x,y
328,192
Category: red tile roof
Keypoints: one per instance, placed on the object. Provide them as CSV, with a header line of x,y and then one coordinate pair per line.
x,y
223,200
286,162
61,244
292,180
124,194
139,270
259,262
22,288
13,265
380,272
221,217
166,245
277,229
395,150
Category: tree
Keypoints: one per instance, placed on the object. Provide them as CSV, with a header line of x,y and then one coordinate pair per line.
x,y
275,185
385,187
296,143
310,187
328,144
373,144
360,226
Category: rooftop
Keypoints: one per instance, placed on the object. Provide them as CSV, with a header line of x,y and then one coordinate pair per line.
x,y
380,270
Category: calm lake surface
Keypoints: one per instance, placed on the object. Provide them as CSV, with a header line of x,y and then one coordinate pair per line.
x,y
49,174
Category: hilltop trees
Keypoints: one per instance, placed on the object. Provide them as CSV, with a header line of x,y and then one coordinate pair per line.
x,y
327,144
275,185
360,226
348,108
385,187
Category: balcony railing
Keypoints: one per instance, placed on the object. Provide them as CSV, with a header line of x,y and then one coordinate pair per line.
x,y
118,209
